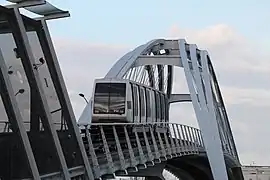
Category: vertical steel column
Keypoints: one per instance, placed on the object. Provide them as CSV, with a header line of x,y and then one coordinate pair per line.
x,y
205,119
169,149
133,161
34,81
14,115
162,146
119,150
107,151
92,153
149,152
61,91
141,154
157,154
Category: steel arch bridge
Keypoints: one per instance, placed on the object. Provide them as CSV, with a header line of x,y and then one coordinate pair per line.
x,y
47,143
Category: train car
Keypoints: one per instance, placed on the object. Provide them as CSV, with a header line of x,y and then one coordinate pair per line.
x,y
127,101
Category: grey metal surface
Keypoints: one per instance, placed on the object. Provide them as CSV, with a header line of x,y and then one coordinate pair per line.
x,y
14,115
115,156
34,78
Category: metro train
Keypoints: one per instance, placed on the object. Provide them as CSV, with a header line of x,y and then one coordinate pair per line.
x,y
125,101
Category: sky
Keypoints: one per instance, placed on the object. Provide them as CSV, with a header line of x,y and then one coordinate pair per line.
x,y
235,34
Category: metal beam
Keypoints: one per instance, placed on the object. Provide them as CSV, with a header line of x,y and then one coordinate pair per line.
x,y
173,60
180,98
61,90
14,115
41,8
35,84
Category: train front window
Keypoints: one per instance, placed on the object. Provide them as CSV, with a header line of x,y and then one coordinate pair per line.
x,y
110,98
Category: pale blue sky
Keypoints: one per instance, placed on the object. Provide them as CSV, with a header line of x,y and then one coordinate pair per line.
x,y
134,22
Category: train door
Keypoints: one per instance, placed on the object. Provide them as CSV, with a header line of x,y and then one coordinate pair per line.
x,y
153,105
158,110
148,105
166,108
135,100
162,105
129,106
142,105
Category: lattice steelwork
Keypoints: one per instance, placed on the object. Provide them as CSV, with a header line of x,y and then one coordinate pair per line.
x,y
147,64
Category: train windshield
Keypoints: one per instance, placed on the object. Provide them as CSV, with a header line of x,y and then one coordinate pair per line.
x,y
110,98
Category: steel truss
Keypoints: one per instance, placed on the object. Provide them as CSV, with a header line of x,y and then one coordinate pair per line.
x,y
147,63
40,161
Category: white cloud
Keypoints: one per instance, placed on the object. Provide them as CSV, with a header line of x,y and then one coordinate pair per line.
x,y
229,49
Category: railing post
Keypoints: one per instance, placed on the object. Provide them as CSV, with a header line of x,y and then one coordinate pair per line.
x,y
185,138
191,140
182,145
176,139
162,146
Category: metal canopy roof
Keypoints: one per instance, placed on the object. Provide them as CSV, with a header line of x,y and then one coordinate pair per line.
x,y
42,8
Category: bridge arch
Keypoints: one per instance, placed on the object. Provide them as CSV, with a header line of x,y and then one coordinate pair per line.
x,y
152,64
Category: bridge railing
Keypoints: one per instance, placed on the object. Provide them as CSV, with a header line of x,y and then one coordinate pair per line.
x,y
129,146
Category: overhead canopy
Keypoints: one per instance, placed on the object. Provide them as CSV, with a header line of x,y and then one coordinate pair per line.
x,y
42,7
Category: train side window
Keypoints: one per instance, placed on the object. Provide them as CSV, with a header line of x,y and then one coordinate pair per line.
x,y
162,105
148,103
135,100
157,105
142,102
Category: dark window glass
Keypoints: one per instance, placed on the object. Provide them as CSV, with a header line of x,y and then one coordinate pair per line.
x,y
142,102
110,98
148,105
157,105
135,100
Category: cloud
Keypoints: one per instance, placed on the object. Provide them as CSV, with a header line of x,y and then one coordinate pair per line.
x,y
233,51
